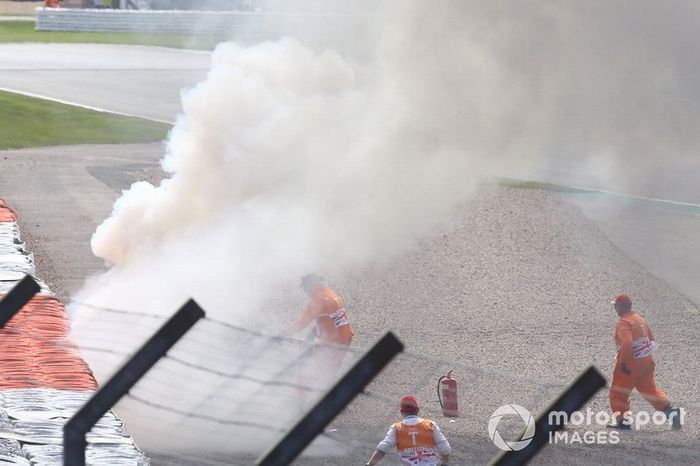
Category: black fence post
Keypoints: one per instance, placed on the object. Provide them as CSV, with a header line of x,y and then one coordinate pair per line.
x,y
76,429
573,398
337,399
18,296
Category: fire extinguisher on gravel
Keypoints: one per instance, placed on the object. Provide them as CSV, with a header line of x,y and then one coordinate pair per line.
x,y
447,394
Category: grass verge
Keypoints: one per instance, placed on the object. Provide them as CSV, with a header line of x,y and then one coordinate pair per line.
x,y
31,122
513,183
23,31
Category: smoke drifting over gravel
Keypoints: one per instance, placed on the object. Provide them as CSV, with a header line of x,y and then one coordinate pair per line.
x,y
288,159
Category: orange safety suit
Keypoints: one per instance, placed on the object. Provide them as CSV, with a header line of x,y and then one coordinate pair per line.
x,y
332,324
635,348
334,333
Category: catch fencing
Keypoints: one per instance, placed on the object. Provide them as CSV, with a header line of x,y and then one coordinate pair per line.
x,y
226,394
255,387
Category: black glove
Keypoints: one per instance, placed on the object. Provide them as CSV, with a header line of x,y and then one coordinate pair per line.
x,y
625,370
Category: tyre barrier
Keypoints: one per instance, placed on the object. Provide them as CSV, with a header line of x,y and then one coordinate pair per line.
x,y
43,378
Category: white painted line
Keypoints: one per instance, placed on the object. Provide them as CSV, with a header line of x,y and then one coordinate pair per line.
x,y
633,196
647,199
18,18
87,107
609,193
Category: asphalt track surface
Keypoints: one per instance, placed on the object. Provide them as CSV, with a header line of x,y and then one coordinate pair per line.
x,y
67,192
513,290
134,80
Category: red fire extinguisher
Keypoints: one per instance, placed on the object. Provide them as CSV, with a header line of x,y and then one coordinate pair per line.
x,y
447,394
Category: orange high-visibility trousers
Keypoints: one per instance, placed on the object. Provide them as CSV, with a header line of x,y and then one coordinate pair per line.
x,y
641,378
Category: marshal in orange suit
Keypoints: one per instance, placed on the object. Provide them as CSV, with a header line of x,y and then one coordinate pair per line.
x,y
635,366
332,332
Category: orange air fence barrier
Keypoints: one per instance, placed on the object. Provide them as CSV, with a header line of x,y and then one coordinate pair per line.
x,y
35,351
43,378
34,348
7,214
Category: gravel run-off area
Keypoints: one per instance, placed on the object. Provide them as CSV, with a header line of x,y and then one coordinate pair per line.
x,y
512,291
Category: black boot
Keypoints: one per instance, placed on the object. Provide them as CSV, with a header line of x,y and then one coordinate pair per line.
x,y
620,425
674,416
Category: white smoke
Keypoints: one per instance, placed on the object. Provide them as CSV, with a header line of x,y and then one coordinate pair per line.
x,y
288,160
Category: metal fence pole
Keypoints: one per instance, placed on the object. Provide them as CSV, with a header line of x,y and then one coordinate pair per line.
x,y
573,398
17,298
75,431
337,399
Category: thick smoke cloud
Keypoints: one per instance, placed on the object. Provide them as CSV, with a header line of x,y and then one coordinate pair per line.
x,y
290,159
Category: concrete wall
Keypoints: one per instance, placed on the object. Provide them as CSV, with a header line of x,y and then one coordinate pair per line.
x,y
258,25
346,33
148,21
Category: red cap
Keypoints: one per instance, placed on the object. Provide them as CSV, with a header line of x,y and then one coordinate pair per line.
x,y
622,299
409,403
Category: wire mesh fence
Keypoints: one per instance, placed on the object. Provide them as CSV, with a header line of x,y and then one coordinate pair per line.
x,y
220,379
226,393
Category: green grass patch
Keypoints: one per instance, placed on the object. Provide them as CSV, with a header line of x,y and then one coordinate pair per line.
x,y
23,31
30,122
513,183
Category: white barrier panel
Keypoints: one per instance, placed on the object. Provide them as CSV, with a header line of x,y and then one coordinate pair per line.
x,y
257,25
